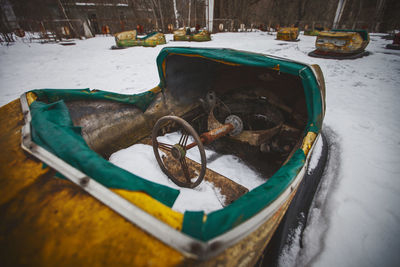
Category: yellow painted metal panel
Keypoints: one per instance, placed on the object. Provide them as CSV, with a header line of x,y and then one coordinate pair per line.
x,y
55,223
49,221
17,171
336,34
153,207
308,141
126,35
31,97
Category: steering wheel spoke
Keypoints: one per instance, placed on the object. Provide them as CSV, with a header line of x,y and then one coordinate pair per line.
x,y
183,140
164,146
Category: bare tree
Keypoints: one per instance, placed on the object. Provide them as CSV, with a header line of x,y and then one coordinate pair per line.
x,y
161,15
235,9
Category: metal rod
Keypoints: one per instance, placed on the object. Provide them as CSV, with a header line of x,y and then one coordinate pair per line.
x,y
208,137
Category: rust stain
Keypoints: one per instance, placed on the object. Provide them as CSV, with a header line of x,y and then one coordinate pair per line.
x,y
17,169
47,221
55,223
227,187
216,60
277,67
308,141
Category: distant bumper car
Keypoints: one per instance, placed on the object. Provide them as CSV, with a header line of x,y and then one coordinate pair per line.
x,y
288,34
396,43
129,39
341,44
311,32
314,31
186,35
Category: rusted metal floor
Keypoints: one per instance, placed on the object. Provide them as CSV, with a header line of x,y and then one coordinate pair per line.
x,y
228,188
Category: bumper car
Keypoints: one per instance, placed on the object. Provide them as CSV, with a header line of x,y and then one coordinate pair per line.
x,y
314,31
288,34
396,43
341,44
311,32
129,39
186,35
63,203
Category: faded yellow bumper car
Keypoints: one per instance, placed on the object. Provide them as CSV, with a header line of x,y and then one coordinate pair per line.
x,y
341,44
186,35
62,203
129,38
288,34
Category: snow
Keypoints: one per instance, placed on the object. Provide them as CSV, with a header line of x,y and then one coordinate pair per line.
x,y
227,165
355,216
315,156
139,159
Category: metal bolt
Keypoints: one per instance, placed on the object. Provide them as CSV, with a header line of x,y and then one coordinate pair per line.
x,y
84,181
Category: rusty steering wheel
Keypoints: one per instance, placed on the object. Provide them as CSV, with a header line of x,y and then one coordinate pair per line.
x,y
173,161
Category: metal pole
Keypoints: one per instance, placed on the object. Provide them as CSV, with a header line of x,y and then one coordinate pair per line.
x,y
190,5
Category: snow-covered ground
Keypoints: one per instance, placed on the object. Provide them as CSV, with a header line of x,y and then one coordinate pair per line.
x,y
355,220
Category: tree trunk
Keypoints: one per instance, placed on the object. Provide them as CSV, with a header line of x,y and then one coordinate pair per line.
x,y
154,14
176,15
161,16
380,7
339,12
190,6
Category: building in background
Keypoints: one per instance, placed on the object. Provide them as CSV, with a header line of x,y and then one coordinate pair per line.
x,y
76,18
